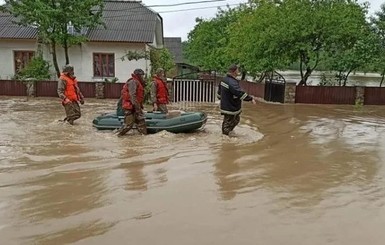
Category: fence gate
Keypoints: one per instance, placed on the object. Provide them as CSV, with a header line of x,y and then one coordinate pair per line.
x,y
194,90
275,90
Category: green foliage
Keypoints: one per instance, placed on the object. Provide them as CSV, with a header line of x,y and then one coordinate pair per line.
x,y
111,80
355,48
53,17
207,42
37,69
378,28
346,60
325,81
359,104
268,35
254,39
135,55
161,58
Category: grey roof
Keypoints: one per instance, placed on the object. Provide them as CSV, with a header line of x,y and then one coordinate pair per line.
x,y
125,21
10,30
128,21
174,45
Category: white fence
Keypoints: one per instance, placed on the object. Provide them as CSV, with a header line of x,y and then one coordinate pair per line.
x,y
194,90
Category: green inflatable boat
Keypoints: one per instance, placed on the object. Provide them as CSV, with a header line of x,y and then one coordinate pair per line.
x,y
182,122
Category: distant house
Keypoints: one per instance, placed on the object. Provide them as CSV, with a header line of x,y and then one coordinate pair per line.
x,y
130,26
174,45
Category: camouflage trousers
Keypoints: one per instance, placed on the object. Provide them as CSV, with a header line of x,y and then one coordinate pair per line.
x,y
162,108
131,118
229,123
72,110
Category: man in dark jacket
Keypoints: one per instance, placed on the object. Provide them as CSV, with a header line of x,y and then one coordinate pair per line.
x,y
231,96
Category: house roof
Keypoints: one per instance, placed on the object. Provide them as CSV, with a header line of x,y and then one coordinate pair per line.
x,y
125,21
174,45
10,30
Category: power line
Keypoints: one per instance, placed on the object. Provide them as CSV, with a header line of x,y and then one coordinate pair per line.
x,y
116,17
141,5
185,3
170,11
160,12
181,10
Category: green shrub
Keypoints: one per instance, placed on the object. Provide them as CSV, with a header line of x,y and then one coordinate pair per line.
x,y
37,69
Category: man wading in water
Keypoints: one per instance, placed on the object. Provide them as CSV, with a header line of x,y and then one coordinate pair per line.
x,y
231,96
132,97
69,91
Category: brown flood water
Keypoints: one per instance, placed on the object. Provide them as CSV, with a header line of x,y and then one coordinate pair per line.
x,y
291,174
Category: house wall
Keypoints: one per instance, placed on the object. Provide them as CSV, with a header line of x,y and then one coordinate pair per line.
x,y
81,56
7,64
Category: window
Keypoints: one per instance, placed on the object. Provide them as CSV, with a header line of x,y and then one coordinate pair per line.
x,y
104,65
21,59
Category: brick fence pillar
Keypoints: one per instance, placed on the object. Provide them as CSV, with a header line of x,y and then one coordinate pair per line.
x,y
31,88
99,90
290,92
360,95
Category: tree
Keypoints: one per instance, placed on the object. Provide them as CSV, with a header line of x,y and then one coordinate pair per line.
x,y
37,69
161,58
253,39
348,59
378,25
310,28
269,35
76,17
52,18
207,42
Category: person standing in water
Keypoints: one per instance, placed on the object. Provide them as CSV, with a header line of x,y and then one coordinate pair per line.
x,y
159,92
231,96
69,91
132,98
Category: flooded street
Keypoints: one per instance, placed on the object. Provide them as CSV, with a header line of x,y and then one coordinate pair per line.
x,y
291,174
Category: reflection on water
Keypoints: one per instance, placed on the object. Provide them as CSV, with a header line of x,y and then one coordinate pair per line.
x,y
70,235
62,194
290,174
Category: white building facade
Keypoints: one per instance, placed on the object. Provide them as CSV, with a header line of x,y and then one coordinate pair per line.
x,y
98,59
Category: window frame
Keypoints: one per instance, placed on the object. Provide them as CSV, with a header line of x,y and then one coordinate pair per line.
x,y
29,54
98,65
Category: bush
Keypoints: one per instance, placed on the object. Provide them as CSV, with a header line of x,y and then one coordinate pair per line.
x,y
111,80
37,69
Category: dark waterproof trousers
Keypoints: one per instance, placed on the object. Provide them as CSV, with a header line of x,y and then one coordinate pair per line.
x,y
131,118
229,123
72,110
162,108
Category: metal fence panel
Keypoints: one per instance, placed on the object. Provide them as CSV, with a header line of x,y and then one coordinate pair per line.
x,y
46,89
88,89
112,90
12,88
325,95
193,90
374,96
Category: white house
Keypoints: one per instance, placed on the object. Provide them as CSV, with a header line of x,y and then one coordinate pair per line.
x,y
130,26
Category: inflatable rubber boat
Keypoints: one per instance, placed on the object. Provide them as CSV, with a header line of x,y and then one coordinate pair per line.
x,y
182,122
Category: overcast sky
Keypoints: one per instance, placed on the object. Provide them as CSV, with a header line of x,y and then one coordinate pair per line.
x,y
179,24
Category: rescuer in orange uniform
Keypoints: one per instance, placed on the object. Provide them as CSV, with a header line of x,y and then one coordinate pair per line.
x,y
159,92
132,96
69,91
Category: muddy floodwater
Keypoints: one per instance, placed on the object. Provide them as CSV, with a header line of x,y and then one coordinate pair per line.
x,y
290,174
